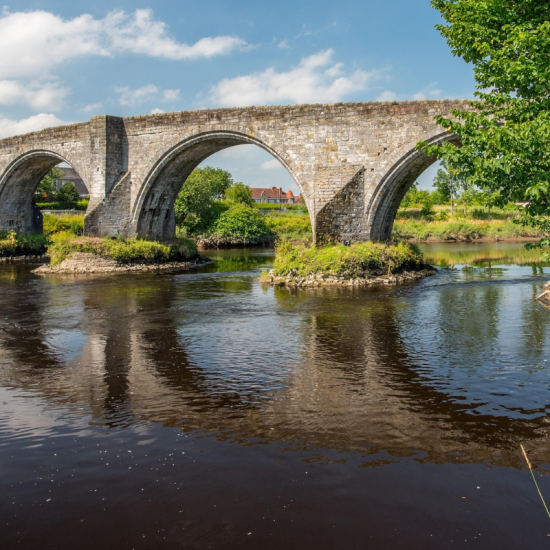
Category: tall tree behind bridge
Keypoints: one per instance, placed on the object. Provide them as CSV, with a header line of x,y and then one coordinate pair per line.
x,y
506,139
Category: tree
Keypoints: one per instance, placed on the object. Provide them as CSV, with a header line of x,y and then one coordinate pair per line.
x,y
68,195
239,193
46,190
443,184
410,196
197,206
505,138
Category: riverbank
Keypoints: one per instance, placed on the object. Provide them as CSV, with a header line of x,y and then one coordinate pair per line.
x,y
356,265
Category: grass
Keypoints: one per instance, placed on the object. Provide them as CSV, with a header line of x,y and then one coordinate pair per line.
x,y
461,230
124,251
293,227
352,261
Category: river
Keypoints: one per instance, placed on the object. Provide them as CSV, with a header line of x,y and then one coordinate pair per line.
x,y
203,410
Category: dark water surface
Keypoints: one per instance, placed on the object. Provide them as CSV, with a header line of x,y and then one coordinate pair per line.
x,y
201,410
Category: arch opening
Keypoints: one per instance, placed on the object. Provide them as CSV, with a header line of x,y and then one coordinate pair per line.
x,y
18,185
154,206
394,185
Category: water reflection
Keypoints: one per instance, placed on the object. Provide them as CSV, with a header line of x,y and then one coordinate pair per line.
x,y
455,367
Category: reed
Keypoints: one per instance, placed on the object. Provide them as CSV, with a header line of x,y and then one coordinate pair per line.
x,y
534,479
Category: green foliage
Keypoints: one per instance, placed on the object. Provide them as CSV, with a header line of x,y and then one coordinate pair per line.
x,y
47,190
197,205
123,251
301,206
268,206
68,196
506,137
421,198
13,245
82,204
443,184
239,193
352,261
70,223
240,224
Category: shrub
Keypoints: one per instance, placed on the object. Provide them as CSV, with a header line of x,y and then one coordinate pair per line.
x,y
71,223
240,224
13,245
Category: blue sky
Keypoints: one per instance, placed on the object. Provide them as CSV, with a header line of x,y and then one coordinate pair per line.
x,y
65,61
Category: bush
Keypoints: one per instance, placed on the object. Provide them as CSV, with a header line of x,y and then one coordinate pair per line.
x,y
352,261
13,245
122,250
72,224
240,224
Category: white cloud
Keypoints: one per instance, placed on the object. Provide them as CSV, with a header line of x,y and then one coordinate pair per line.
x,y
284,45
33,42
271,164
157,111
306,83
140,95
170,95
145,94
47,95
430,91
92,108
9,127
387,95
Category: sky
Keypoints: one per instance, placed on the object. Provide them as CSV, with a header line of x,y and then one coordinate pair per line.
x,y
65,61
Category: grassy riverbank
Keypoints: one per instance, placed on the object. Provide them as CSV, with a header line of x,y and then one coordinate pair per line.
x,y
462,230
355,261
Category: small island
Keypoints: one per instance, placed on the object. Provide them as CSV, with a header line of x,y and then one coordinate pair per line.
x,y
73,254
360,264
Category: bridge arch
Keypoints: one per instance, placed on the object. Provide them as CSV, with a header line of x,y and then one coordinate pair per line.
x,y
18,184
153,211
392,188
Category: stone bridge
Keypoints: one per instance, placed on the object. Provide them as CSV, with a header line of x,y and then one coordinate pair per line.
x,y
353,163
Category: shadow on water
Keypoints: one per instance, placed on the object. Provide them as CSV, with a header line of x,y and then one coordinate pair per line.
x,y
450,372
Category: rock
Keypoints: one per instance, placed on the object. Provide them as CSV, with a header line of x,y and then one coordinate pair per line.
x,y
368,279
87,263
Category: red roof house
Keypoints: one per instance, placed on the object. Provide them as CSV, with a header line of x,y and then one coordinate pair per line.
x,y
273,195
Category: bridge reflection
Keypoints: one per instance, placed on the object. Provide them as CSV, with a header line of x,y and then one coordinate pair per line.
x,y
387,370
